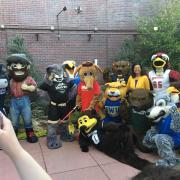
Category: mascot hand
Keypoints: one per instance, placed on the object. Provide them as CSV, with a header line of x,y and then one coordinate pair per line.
x,y
30,88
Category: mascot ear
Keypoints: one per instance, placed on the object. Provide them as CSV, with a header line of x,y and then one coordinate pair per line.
x,y
77,69
98,68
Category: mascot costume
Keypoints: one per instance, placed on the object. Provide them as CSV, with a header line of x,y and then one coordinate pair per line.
x,y
58,88
165,134
3,87
116,144
21,84
161,77
118,72
139,100
113,103
88,89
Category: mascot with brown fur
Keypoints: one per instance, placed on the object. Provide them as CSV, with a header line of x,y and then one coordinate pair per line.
x,y
88,88
139,100
118,72
21,84
116,144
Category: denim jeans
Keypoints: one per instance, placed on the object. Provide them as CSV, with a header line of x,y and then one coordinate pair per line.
x,y
21,107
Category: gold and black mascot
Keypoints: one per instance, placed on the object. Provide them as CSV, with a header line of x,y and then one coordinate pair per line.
x,y
116,144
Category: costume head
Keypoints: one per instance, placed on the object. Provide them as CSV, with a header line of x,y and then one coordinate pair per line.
x,y
162,105
54,73
88,72
121,68
160,62
140,99
18,66
69,67
3,77
174,94
115,91
85,123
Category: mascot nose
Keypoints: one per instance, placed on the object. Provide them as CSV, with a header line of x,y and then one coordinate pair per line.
x,y
147,113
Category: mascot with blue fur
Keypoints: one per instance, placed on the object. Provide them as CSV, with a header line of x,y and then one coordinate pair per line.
x,y
3,87
165,134
58,87
116,144
161,76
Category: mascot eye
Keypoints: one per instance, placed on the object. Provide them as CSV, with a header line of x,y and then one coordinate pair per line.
x,y
85,74
90,73
161,103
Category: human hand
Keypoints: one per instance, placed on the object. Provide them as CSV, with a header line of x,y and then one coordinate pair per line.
x,y
8,140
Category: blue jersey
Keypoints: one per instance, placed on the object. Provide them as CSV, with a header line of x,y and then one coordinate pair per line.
x,y
112,109
164,128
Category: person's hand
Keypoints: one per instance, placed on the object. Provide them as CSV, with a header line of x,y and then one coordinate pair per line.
x,y
8,140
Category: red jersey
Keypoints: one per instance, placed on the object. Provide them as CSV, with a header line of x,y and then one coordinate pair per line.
x,y
15,87
87,95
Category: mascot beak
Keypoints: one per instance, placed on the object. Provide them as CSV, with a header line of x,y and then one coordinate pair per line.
x,y
159,63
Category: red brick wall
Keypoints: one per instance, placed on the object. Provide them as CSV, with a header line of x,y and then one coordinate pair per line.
x,y
106,15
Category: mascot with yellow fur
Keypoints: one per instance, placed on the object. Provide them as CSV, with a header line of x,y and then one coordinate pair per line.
x,y
113,103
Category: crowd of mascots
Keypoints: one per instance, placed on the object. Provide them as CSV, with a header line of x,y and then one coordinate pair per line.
x,y
131,109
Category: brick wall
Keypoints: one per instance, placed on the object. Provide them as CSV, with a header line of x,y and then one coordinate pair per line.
x,y
31,17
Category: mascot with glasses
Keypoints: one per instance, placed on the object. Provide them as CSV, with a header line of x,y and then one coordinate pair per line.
x,y
162,76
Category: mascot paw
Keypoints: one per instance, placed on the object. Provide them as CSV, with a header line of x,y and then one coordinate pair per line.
x,y
53,142
24,87
84,149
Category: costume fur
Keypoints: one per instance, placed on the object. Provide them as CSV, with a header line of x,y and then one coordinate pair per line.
x,y
153,172
58,88
118,72
3,87
21,84
161,76
165,134
139,100
88,88
116,144
113,103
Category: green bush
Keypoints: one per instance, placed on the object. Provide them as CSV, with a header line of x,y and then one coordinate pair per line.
x,y
165,38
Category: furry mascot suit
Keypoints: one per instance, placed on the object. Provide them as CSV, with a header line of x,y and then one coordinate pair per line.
x,y
3,87
88,88
161,77
116,144
139,100
21,84
162,173
165,134
58,88
118,72
113,103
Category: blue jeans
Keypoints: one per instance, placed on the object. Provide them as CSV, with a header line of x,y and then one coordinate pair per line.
x,y
21,107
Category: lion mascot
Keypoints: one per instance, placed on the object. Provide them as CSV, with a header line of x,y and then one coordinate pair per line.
x,y
21,84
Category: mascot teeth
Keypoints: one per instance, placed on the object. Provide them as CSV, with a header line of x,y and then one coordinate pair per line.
x,y
19,73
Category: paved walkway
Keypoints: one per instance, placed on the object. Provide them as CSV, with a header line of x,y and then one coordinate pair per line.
x,y
69,163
